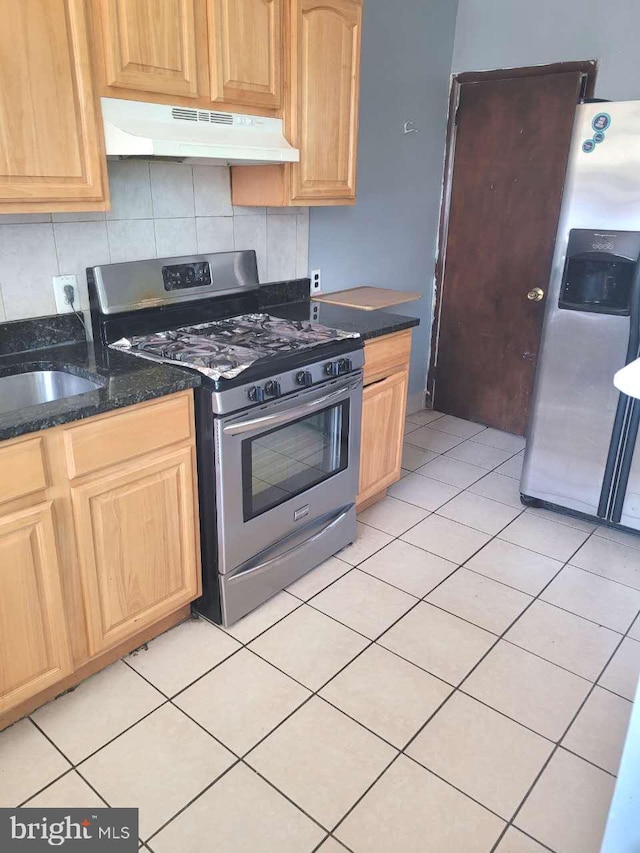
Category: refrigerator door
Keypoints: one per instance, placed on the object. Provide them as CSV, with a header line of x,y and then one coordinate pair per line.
x,y
575,402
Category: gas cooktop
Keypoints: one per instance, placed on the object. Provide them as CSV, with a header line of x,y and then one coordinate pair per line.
x,y
224,349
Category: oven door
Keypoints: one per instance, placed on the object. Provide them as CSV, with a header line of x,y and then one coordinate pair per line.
x,y
283,466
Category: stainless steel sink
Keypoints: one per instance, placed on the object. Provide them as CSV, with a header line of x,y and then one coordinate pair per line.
x,y
40,386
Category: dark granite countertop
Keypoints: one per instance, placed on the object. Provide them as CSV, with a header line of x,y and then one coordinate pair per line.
x,y
370,324
124,380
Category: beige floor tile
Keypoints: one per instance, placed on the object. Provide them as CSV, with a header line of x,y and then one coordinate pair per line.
x,y
563,638
515,841
562,518
424,416
263,617
526,688
364,603
97,710
479,512
319,578
600,728
392,516
517,567
567,809
242,700
452,471
411,810
413,457
594,597
409,568
410,427
158,765
431,439
458,426
442,644
181,655
369,540
309,646
480,600
621,676
512,467
622,537
244,814
71,791
611,560
322,760
387,694
499,488
28,762
634,630
331,846
446,538
546,537
423,491
478,454
501,440
481,752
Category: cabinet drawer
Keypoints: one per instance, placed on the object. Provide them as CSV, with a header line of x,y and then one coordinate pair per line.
x,y
21,469
386,355
125,434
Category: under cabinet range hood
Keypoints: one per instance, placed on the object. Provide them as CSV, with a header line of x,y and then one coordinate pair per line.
x,y
140,129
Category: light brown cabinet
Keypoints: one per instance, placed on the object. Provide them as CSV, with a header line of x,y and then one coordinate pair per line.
x,y
386,378
245,52
51,151
320,111
99,545
149,45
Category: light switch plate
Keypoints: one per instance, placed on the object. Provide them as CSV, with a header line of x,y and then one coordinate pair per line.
x,y
59,284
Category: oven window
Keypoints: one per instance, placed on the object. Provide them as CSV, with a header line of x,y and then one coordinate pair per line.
x,y
286,461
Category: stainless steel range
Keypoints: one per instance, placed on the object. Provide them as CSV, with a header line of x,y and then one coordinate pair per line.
x,y
277,417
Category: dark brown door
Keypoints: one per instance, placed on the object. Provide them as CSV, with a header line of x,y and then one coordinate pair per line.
x,y
511,150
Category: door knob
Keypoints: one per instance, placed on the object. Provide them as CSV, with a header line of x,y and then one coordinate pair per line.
x,y
535,295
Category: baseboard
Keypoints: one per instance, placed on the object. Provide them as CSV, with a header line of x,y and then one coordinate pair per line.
x,y
415,403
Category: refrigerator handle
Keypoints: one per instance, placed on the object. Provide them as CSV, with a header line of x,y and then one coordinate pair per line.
x,y
625,429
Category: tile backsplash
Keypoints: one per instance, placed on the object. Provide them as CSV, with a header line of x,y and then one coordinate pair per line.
x,y
158,210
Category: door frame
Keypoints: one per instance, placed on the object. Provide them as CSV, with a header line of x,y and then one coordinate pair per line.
x,y
588,68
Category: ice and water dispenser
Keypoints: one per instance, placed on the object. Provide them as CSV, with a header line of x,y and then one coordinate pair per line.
x,y
601,273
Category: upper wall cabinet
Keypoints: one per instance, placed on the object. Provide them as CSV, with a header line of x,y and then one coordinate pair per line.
x,y
51,153
320,110
149,45
245,51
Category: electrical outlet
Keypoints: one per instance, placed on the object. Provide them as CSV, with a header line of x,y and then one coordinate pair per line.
x,y
60,282
316,281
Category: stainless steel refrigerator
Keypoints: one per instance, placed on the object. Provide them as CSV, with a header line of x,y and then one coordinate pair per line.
x,y
582,446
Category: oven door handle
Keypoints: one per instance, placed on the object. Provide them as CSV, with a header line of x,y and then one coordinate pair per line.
x,y
290,414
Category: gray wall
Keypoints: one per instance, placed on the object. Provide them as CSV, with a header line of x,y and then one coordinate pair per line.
x,y
388,238
510,33
157,210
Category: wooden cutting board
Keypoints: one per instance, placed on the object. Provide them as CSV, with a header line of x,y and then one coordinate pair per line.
x,y
368,298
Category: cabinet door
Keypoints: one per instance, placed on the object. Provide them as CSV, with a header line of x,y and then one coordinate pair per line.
x,y
150,46
245,51
325,84
383,410
33,639
50,142
138,544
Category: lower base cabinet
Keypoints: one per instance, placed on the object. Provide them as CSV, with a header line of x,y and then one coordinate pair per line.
x,y
99,545
384,403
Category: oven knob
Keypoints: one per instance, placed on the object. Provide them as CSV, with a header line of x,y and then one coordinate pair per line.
x,y
304,377
272,388
256,394
344,365
331,368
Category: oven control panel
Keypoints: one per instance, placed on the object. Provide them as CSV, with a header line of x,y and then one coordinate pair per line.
x,y
183,276
268,390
